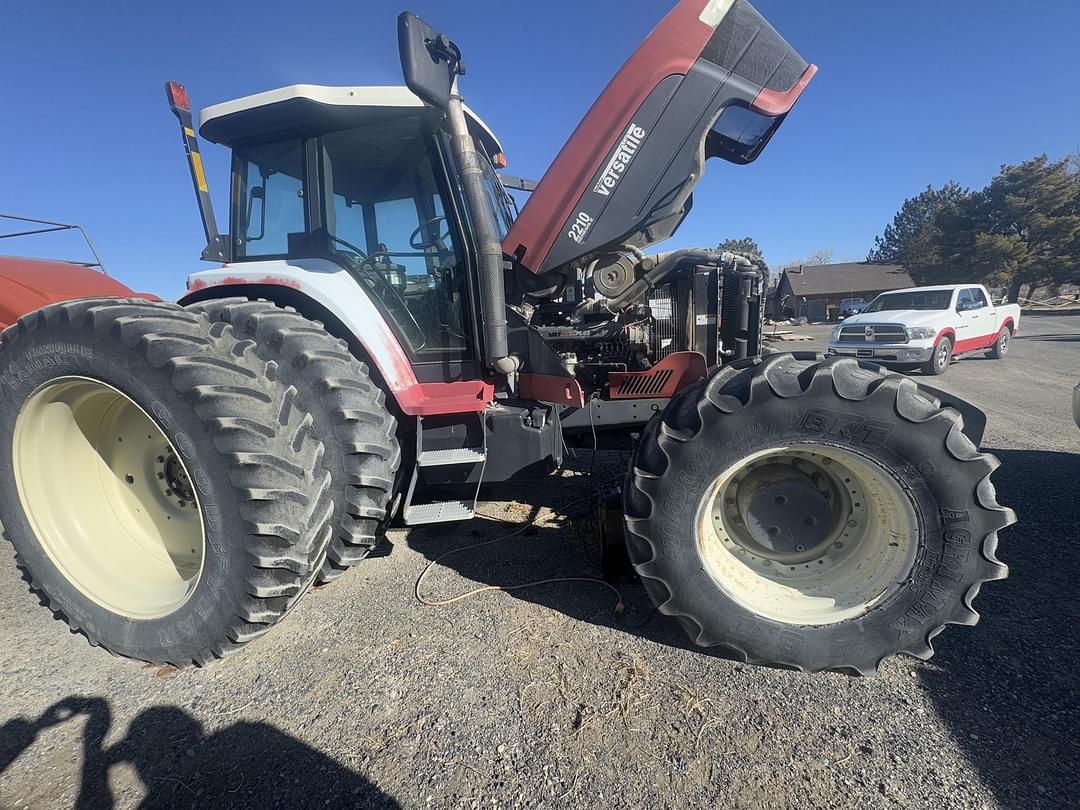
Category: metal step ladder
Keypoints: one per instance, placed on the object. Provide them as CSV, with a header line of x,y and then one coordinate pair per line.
x,y
415,514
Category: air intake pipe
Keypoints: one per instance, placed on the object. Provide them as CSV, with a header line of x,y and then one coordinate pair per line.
x,y
654,270
489,247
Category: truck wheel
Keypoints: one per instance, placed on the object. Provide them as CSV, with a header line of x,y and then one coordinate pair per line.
x,y
940,359
349,413
1001,345
161,488
812,513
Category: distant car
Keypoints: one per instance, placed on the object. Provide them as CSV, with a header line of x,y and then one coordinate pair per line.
x,y
927,327
849,307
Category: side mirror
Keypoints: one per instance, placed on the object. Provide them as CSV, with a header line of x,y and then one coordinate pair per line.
x,y
429,61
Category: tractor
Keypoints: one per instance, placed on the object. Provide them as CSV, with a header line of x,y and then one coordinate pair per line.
x,y
384,332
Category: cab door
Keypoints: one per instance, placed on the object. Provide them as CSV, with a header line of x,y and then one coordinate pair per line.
x,y
974,319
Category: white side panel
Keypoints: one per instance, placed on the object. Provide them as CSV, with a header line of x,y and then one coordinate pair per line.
x,y
331,286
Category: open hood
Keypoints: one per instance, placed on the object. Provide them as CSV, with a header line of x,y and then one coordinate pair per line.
x,y
713,79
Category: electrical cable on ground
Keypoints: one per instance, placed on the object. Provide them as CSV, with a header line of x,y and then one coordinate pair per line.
x,y
619,605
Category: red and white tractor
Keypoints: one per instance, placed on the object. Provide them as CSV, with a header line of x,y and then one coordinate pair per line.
x,y
383,332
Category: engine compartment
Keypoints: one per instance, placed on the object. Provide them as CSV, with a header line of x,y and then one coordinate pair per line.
x,y
713,308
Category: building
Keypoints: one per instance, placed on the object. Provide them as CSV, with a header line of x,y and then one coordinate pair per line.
x,y
812,291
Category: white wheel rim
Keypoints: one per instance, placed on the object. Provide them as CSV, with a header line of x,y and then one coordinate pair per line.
x,y
108,497
807,534
943,355
1003,342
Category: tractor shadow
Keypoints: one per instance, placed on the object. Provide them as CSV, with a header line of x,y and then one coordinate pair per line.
x,y
245,765
1008,688
562,543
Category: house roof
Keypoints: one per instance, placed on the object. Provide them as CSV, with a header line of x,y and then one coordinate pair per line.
x,y
847,277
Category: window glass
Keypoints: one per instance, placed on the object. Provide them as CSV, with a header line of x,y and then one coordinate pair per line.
x,y
739,134
498,199
963,300
978,297
387,222
270,201
395,222
916,299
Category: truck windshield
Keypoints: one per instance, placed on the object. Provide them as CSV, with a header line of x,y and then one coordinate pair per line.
x,y
916,299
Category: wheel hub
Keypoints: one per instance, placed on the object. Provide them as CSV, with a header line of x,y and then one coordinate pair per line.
x,y
108,498
810,534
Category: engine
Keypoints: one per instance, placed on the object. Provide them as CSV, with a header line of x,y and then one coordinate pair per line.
x,y
712,307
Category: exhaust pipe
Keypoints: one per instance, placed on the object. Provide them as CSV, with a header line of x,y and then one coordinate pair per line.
x,y
492,289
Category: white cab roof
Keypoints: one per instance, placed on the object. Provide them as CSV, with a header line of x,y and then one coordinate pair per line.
x,y
356,103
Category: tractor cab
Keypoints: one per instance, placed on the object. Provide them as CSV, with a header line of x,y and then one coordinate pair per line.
x,y
363,178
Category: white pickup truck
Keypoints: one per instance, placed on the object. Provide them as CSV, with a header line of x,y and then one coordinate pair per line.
x,y
927,327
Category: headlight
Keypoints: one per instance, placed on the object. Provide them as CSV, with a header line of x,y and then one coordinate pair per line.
x,y
836,334
921,332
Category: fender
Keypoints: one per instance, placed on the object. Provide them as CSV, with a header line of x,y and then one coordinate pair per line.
x,y
29,284
333,291
947,332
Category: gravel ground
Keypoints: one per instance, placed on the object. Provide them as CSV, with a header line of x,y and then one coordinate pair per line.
x,y
550,697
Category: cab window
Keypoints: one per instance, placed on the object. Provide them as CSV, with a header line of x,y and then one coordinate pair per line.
x,y
268,199
386,221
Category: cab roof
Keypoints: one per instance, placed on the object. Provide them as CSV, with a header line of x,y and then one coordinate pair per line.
x,y
319,108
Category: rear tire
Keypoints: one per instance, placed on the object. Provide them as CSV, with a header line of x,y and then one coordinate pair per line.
x,y
1001,345
897,529
350,417
940,359
119,420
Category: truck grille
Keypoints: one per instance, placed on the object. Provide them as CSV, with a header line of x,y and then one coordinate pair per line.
x,y
873,333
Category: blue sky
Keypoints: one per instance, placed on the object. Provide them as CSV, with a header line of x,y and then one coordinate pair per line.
x,y
908,94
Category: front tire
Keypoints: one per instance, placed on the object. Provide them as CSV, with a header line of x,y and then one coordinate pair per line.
x,y
940,359
812,513
161,488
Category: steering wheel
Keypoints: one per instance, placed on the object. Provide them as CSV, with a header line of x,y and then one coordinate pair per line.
x,y
438,241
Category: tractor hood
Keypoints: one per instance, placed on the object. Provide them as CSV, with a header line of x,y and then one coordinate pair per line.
x,y
713,79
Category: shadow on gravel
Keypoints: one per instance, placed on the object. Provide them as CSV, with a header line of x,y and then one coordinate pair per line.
x,y
1072,338
563,545
246,765
1009,688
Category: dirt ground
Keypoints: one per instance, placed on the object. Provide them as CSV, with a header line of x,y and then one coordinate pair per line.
x,y
552,697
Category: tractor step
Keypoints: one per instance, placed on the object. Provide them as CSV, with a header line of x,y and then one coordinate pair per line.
x,y
469,433
440,458
439,512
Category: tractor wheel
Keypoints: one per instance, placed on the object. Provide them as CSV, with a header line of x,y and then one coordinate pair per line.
x,y
349,413
162,490
812,513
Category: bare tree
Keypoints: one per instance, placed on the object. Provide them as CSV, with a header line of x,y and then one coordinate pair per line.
x,y
820,256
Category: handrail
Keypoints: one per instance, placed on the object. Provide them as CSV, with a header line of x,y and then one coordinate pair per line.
x,y
54,228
